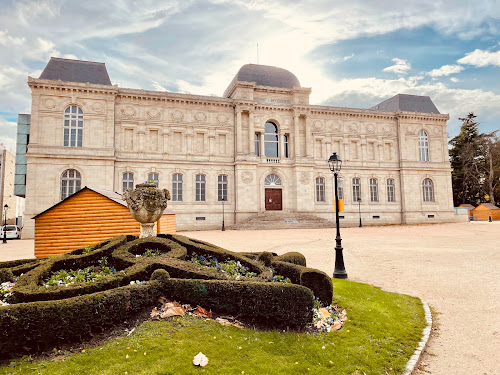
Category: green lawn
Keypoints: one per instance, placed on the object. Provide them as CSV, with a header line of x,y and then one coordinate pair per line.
x,y
380,336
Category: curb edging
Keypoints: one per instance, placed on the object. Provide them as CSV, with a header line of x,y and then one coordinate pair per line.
x,y
412,362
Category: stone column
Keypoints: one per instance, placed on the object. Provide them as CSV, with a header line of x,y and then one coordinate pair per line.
x,y
251,134
239,133
296,136
308,138
262,149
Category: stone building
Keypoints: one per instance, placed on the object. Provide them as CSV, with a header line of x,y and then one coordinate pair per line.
x,y
7,197
262,148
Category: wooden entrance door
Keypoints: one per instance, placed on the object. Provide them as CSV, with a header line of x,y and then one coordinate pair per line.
x,y
273,200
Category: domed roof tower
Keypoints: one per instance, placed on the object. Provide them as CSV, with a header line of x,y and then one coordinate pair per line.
x,y
264,75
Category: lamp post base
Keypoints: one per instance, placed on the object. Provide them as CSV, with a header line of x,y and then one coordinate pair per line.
x,y
340,274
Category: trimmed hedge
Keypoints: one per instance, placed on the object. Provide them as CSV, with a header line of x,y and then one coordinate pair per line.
x,y
10,269
319,282
37,326
276,305
205,248
59,314
6,275
292,257
169,249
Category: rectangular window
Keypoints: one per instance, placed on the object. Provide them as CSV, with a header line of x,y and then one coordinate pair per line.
x,y
222,144
318,148
200,188
320,189
356,190
391,194
387,152
285,145
129,139
153,140
153,178
257,144
354,149
177,142
128,181
177,187
222,188
371,150
200,143
373,190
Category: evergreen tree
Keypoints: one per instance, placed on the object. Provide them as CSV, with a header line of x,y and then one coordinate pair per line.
x,y
467,162
492,167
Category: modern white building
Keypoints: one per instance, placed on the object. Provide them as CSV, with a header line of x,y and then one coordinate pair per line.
x,y
261,147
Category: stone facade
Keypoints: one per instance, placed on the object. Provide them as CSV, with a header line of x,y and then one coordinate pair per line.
x,y
7,197
144,132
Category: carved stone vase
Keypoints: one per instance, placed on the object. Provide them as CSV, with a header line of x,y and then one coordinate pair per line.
x,y
146,204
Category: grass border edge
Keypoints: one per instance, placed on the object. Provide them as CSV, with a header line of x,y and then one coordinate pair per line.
x,y
415,358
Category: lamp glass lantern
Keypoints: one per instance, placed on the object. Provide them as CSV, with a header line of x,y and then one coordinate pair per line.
x,y
335,163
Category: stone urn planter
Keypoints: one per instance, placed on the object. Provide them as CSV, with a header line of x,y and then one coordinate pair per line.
x,y
146,204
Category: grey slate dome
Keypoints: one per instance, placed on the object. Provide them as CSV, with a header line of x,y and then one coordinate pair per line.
x,y
265,75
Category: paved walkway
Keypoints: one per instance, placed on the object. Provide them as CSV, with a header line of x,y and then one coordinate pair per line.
x,y
454,267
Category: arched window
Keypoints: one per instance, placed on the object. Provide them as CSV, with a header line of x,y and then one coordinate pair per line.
x,y
71,182
272,179
356,189
373,190
423,146
391,192
177,187
222,188
428,190
271,140
73,126
200,188
320,189
154,178
128,181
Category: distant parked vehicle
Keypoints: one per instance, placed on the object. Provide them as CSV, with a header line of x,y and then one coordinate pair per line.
x,y
13,231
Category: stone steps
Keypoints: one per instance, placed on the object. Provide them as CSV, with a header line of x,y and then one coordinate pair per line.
x,y
283,220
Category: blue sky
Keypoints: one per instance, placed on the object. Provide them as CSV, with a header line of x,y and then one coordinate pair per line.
x,y
351,53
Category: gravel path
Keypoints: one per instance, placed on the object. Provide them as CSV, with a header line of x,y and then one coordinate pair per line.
x,y
454,267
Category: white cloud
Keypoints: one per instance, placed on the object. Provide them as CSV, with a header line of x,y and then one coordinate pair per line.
x,y
453,79
481,58
446,70
8,131
401,66
348,57
158,87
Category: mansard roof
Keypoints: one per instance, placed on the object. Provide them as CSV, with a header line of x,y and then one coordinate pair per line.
x,y
407,103
76,71
265,75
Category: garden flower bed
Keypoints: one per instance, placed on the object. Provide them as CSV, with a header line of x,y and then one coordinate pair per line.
x,y
69,296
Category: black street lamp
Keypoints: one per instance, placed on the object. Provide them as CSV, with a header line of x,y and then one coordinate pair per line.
x,y
223,201
5,208
359,206
335,164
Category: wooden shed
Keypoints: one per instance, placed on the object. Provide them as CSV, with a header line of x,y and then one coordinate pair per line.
x,y
470,207
88,217
486,210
